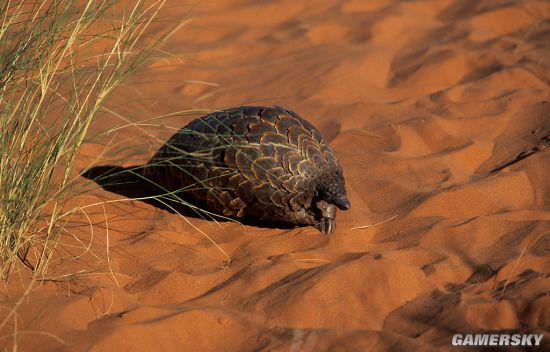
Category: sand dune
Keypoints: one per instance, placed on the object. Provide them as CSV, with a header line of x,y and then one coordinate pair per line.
x,y
440,114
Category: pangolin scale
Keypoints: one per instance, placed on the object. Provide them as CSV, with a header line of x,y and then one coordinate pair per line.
x,y
265,163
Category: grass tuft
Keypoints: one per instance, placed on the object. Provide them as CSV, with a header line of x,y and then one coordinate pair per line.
x,y
59,61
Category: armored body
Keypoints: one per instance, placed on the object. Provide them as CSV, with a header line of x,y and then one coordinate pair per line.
x,y
265,163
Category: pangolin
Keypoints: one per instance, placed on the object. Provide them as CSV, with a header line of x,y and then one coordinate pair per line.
x,y
265,163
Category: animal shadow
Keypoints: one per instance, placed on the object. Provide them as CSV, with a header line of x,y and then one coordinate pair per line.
x,y
130,183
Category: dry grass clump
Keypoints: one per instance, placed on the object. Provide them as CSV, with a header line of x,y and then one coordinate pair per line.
x,y
59,61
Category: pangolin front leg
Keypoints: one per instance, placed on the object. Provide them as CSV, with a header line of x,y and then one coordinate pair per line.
x,y
327,221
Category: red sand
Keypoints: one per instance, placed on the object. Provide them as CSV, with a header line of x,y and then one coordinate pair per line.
x,y
419,99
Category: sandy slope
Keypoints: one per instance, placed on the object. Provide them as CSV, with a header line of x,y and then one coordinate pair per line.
x,y
440,113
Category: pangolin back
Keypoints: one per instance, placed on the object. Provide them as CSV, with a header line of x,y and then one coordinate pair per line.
x,y
267,163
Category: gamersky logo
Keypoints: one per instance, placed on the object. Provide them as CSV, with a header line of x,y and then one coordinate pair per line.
x,y
525,340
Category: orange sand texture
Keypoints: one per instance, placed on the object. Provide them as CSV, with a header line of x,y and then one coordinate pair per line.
x,y
439,112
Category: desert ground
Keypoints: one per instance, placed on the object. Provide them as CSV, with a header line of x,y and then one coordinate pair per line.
x,y
439,112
